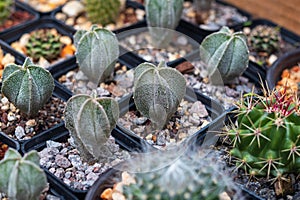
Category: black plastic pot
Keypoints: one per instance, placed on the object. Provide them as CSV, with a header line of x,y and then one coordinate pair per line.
x,y
15,35
10,142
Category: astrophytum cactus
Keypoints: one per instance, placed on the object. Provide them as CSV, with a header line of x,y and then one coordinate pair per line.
x,y
90,121
97,52
225,54
162,18
21,178
158,91
28,86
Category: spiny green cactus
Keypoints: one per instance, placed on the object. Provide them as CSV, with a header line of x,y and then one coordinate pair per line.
x,y
265,38
266,137
97,53
158,91
5,9
225,54
28,86
90,121
21,178
162,18
43,43
102,11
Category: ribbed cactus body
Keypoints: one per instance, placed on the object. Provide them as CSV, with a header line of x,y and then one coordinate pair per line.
x,y
43,43
28,86
158,92
5,9
21,178
266,136
225,54
102,11
97,53
90,121
162,18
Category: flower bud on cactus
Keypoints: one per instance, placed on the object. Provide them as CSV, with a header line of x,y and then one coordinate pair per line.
x,y
162,16
22,178
5,9
97,53
158,92
102,11
225,54
28,86
266,137
90,121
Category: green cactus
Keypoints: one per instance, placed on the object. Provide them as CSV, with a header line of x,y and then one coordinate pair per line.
x,y
158,92
102,11
44,43
97,53
90,121
21,178
28,86
6,7
162,18
266,137
225,54
265,38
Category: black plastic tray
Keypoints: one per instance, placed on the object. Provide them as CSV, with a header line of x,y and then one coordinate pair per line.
x,y
15,34
9,141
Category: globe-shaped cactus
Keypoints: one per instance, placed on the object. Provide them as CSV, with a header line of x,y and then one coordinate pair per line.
x,y
28,86
225,54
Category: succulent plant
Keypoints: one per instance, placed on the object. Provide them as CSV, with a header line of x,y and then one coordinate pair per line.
x,y
225,54
162,18
28,86
97,53
21,178
264,38
5,9
158,90
266,137
90,121
102,11
44,43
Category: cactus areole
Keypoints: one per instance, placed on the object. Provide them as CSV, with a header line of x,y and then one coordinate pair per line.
x,y
225,54
28,86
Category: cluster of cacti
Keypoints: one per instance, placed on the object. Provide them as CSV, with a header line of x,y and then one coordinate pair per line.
x,y
90,121
266,137
102,11
21,178
264,38
44,43
225,54
28,86
97,51
5,9
162,18
158,91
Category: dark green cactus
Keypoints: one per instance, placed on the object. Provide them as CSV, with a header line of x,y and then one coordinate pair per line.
x,y
90,121
97,53
6,7
266,137
265,38
102,11
21,178
162,19
44,43
28,86
225,54
158,91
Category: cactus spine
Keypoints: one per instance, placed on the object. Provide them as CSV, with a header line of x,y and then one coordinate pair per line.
x,y
97,53
102,11
158,92
90,121
5,9
266,137
28,86
225,54
21,178
162,18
